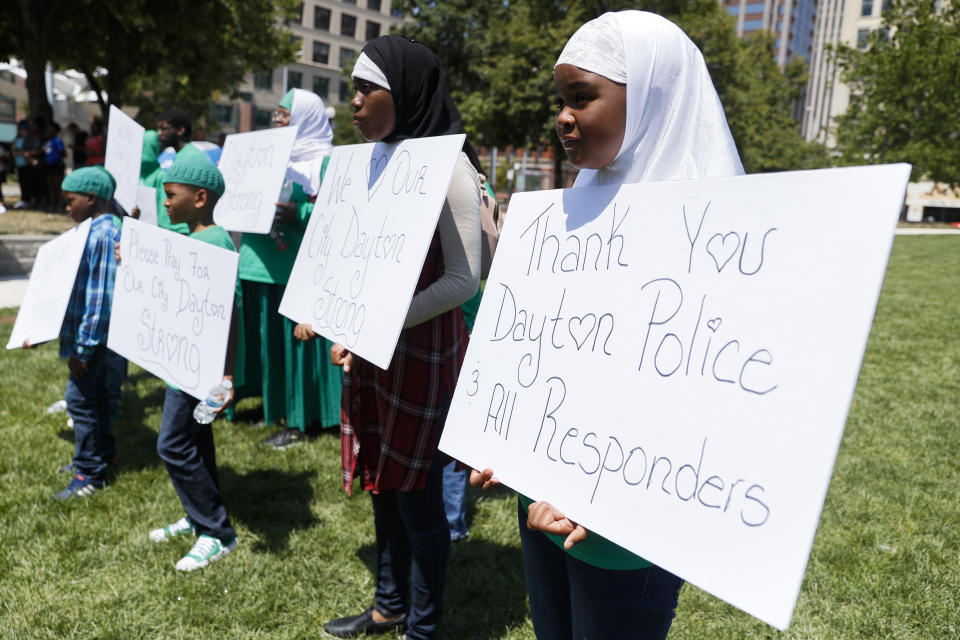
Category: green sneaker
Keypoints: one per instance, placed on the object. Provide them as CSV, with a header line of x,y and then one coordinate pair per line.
x,y
206,550
181,527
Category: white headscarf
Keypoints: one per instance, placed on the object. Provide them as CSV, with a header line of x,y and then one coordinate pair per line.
x,y
675,128
314,140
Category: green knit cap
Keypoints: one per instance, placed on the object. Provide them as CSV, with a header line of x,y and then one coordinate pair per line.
x,y
96,180
287,102
195,170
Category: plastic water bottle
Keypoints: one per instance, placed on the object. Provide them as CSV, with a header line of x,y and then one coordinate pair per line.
x,y
205,411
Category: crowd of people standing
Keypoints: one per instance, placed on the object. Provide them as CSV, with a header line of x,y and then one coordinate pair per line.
x,y
635,103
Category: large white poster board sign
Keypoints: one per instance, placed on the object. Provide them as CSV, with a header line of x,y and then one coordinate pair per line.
x,y
172,305
48,290
253,165
147,202
367,239
124,153
671,365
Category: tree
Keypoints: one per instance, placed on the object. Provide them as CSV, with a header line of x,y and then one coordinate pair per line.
x,y
151,54
498,58
904,103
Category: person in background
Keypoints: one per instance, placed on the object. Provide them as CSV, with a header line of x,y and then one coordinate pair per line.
x,y
296,380
20,163
78,140
54,166
174,129
95,145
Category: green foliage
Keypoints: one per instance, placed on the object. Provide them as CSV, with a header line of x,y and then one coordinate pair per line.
x,y
883,566
904,102
498,58
175,53
343,130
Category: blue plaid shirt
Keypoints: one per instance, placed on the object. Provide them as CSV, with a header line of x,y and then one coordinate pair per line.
x,y
88,314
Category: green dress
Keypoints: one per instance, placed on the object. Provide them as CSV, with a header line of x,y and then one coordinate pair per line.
x,y
294,378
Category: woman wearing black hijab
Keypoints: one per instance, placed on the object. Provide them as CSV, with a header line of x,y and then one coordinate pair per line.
x,y
391,419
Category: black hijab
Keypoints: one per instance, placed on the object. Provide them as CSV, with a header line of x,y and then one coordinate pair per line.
x,y
421,99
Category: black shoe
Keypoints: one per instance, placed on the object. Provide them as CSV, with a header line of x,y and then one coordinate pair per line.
x,y
353,626
285,438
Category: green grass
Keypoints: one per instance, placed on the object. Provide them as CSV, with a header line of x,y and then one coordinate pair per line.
x,y
884,563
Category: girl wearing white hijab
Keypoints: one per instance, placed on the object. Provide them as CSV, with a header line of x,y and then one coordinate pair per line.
x,y
295,379
636,105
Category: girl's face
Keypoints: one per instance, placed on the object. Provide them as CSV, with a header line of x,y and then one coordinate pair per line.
x,y
374,113
592,118
281,117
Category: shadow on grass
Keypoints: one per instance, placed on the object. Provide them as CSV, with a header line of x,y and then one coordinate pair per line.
x,y
485,590
269,502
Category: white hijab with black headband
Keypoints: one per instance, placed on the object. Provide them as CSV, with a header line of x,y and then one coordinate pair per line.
x,y
675,126
314,140
412,74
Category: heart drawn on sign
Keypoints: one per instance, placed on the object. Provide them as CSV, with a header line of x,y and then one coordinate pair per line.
x,y
375,172
576,326
713,324
722,249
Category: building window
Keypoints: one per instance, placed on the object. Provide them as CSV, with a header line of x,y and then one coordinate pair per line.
x,y
321,19
294,80
300,14
263,80
885,5
348,25
752,25
262,118
396,13
867,8
754,8
222,113
346,56
733,10
345,92
373,5
321,52
350,1
373,30
862,38
8,108
321,86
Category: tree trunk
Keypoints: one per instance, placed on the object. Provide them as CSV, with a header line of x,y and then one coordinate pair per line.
x,y
33,38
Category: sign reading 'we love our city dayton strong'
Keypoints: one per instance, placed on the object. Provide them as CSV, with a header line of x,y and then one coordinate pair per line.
x,y
366,241
671,364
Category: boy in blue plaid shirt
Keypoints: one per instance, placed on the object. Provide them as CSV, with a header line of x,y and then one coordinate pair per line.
x,y
83,337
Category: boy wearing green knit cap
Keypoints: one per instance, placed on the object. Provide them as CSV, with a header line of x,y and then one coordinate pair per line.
x,y
83,336
192,186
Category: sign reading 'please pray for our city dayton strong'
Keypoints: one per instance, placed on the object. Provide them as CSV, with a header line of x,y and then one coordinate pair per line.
x,y
671,364
366,241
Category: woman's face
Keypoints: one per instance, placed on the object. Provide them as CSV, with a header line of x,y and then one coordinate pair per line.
x,y
592,118
374,113
281,117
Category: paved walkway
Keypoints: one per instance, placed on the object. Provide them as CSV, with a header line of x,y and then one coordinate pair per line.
x,y
12,289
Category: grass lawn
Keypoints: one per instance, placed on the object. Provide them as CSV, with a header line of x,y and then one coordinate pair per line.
x,y
884,563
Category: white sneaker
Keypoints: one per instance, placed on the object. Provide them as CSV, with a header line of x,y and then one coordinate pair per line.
x,y
181,527
206,550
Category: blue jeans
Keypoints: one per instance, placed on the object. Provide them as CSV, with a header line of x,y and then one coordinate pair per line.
x,y
455,500
116,366
413,544
186,448
88,404
570,599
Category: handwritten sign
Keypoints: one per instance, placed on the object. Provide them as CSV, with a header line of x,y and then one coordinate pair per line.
x,y
147,202
124,152
253,165
172,305
366,241
48,290
671,364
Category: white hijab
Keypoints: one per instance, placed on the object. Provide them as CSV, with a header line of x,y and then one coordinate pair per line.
x,y
314,140
675,128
